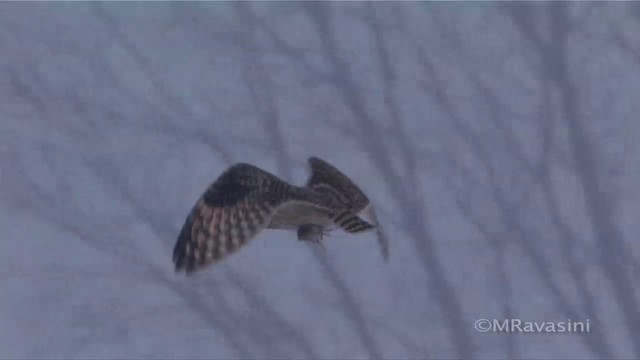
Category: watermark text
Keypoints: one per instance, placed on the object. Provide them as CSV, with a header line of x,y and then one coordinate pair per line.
x,y
523,326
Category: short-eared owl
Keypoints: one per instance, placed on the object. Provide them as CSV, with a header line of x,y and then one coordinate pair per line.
x,y
245,200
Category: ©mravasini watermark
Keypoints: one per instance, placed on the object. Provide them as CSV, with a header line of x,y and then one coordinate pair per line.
x,y
522,326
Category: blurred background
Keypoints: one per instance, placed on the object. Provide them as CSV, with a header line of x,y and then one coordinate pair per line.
x,y
498,141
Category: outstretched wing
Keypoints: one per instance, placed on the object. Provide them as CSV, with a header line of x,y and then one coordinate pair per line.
x,y
240,203
380,234
330,181
333,183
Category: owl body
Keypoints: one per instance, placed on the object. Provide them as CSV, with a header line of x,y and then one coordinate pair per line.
x,y
295,214
245,200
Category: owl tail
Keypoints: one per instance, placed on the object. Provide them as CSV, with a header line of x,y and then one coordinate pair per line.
x,y
351,223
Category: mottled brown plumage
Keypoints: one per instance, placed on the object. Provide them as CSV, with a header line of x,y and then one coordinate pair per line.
x,y
245,200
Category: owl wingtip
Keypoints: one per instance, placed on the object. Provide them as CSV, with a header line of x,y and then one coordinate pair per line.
x,y
181,269
385,256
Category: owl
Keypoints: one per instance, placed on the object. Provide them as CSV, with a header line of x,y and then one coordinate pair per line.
x,y
245,200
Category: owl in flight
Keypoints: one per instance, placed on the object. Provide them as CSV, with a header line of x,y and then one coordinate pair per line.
x,y
245,200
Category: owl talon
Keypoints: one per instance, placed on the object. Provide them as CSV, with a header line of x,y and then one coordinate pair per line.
x,y
313,234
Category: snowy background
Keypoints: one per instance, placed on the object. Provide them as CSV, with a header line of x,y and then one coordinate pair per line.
x,y
499,142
